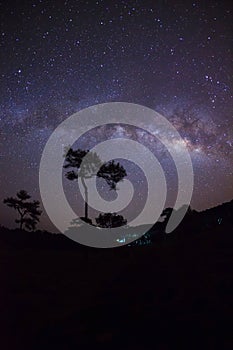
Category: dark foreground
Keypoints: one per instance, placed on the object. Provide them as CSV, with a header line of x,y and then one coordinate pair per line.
x,y
172,295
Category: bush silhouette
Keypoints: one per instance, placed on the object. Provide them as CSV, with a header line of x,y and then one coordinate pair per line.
x,y
109,220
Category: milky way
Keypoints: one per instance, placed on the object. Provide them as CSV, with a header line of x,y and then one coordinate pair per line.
x,y
58,58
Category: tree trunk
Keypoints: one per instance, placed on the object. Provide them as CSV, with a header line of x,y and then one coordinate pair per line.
x,y
86,198
21,223
21,219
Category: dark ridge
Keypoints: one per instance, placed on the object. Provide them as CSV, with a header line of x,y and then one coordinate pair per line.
x,y
174,293
193,223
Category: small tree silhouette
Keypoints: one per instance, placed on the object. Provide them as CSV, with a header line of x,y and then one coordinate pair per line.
x,y
108,220
166,215
29,212
111,171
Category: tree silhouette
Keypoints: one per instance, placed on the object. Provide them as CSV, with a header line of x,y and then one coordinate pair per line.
x,y
28,211
111,171
108,220
166,216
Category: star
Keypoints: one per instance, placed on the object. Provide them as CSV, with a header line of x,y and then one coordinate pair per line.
x,y
62,59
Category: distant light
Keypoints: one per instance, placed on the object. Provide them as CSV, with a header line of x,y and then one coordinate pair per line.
x,y
121,240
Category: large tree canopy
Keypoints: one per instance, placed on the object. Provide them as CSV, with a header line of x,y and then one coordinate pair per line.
x,y
111,171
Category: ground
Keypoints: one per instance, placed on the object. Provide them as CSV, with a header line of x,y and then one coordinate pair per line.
x,y
174,294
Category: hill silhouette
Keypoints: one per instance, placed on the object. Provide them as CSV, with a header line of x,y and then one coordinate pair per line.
x,y
173,292
192,223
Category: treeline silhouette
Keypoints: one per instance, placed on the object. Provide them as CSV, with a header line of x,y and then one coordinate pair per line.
x,y
85,164
163,291
174,292
194,223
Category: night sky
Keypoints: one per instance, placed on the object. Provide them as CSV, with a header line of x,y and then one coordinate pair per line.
x,y
58,57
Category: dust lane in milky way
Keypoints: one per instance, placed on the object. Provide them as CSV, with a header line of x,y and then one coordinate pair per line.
x,y
173,58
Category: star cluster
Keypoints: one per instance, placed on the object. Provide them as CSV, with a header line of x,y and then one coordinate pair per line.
x,y
60,57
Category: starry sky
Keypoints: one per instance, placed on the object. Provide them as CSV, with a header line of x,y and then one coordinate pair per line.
x,y
173,57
